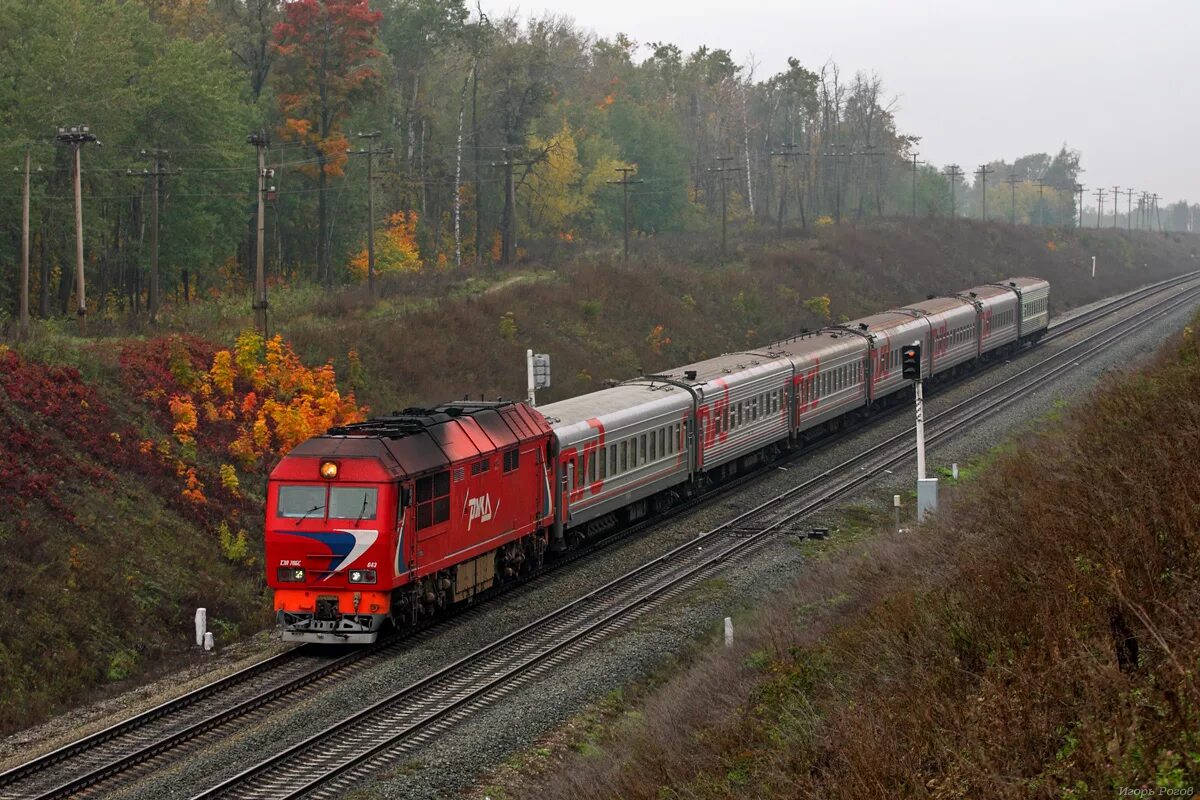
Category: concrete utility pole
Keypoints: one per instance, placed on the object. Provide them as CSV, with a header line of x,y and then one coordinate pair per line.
x,y
1012,180
721,172
787,154
23,329
625,183
839,151
77,136
1116,203
954,173
1154,198
1041,184
1079,187
983,171
915,163
1129,209
156,175
261,142
508,239
1099,205
370,153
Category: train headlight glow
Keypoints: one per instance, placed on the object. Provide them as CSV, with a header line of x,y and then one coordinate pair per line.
x,y
329,470
290,574
362,576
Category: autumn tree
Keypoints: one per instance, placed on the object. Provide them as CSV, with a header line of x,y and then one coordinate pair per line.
x,y
326,64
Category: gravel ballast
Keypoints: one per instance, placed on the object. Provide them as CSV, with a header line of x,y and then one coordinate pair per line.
x,y
453,763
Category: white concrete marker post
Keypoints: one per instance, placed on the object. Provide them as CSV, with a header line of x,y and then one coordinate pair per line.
x,y
920,430
896,505
208,641
201,625
954,471
729,631
1093,266
926,487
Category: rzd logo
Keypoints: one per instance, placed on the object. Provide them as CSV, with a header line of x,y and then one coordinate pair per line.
x,y
480,508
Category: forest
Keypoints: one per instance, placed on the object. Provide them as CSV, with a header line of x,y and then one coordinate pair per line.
x,y
469,140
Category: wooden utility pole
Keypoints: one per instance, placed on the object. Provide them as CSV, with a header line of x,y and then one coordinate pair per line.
x,y
1012,180
1099,205
1116,202
76,136
156,175
913,156
1129,209
983,171
260,141
954,173
1154,198
625,183
370,153
23,329
721,172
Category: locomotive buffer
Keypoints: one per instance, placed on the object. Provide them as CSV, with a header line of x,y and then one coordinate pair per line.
x,y
926,487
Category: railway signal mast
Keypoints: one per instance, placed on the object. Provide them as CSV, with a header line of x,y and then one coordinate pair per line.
x,y
910,361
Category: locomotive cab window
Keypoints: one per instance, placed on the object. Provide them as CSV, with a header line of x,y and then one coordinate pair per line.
x,y
352,502
433,499
302,501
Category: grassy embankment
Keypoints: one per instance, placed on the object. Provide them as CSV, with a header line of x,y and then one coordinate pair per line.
x,y
1040,638
108,548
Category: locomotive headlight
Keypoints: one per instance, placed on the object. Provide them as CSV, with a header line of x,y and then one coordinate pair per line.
x,y
290,574
329,470
362,576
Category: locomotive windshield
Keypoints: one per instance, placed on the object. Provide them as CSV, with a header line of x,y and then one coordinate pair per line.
x,y
302,501
352,502
343,502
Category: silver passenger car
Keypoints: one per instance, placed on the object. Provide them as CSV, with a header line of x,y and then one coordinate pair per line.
x,y
616,447
830,375
997,310
742,402
953,333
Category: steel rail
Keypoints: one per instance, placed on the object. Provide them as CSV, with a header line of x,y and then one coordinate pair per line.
x,y
296,770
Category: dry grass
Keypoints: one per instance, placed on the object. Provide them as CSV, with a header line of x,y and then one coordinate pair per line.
x,y
1040,640
440,336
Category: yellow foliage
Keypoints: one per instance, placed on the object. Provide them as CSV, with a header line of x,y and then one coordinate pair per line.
x,y
818,305
183,412
229,478
396,249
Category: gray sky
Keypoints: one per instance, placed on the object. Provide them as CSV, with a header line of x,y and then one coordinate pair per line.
x,y
976,80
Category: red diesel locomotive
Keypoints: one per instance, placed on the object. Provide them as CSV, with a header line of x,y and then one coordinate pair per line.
x,y
397,517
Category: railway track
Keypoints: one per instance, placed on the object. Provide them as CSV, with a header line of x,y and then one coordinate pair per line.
x,y
191,718
330,762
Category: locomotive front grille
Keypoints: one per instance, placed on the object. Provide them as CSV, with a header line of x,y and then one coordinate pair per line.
x,y
327,607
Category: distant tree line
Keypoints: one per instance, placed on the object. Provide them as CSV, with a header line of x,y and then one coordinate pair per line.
x,y
495,135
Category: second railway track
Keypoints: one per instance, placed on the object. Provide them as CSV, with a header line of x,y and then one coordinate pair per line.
x,y
95,759
330,762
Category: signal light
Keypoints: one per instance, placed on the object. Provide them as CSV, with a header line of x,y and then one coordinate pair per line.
x,y
362,576
290,575
910,360
329,470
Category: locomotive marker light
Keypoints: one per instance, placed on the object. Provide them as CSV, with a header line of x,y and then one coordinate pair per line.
x,y
926,487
